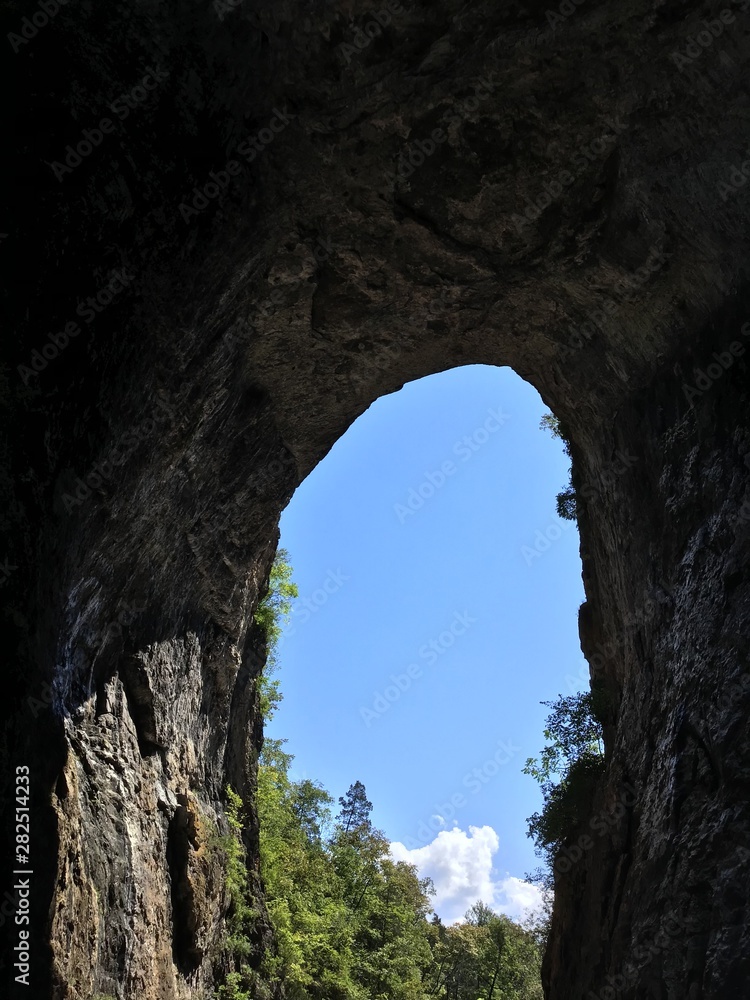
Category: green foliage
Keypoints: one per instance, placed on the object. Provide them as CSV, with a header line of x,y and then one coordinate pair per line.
x,y
566,501
350,922
355,808
551,423
568,769
353,924
276,604
567,805
232,988
242,914
270,615
571,732
489,957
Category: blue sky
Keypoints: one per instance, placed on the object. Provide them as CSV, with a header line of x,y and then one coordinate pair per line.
x,y
438,606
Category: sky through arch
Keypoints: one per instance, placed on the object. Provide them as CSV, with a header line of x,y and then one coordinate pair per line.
x,y
438,606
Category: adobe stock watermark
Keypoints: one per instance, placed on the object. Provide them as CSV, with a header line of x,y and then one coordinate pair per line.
x,y
565,10
321,251
703,38
603,651
473,781
735,694
705,66
238,334
743,514
436,307
430,652
22,886
223,7
88,310
249,148
606,476
30,26
380,357
590,490
369,362
464,449
705,378
416,153
277,467
627,288
371,29
543,540
117,455
672,927
737,179
304,608
385,355
92,138
601,824
581,160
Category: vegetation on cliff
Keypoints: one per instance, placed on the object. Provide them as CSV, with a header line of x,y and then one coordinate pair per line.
x,y
567,769
566,500
350,923
272,611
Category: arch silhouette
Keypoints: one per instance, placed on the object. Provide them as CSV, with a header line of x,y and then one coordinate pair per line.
x,y
576,211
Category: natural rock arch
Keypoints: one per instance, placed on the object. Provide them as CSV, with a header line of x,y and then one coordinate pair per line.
x,y
240,339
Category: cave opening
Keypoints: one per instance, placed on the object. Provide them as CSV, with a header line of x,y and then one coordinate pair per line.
x,y
438,598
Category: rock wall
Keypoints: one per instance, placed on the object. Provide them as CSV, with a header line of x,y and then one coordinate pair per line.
x,y
236,225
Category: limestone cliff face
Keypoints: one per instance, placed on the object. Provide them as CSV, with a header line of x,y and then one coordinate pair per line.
x,y
300,211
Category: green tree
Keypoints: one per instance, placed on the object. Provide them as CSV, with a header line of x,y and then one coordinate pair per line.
x,y
353,924
392,953
304,900
355,808
311,808
356,847
567,769
492,945
489,957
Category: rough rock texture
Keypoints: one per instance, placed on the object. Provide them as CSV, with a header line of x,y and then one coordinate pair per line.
x,y
149,460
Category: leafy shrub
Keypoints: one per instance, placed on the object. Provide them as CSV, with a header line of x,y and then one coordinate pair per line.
x,y
231,988
568,804
568,770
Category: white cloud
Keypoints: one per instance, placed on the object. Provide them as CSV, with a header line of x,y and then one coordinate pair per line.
x,y
460,865
516,898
